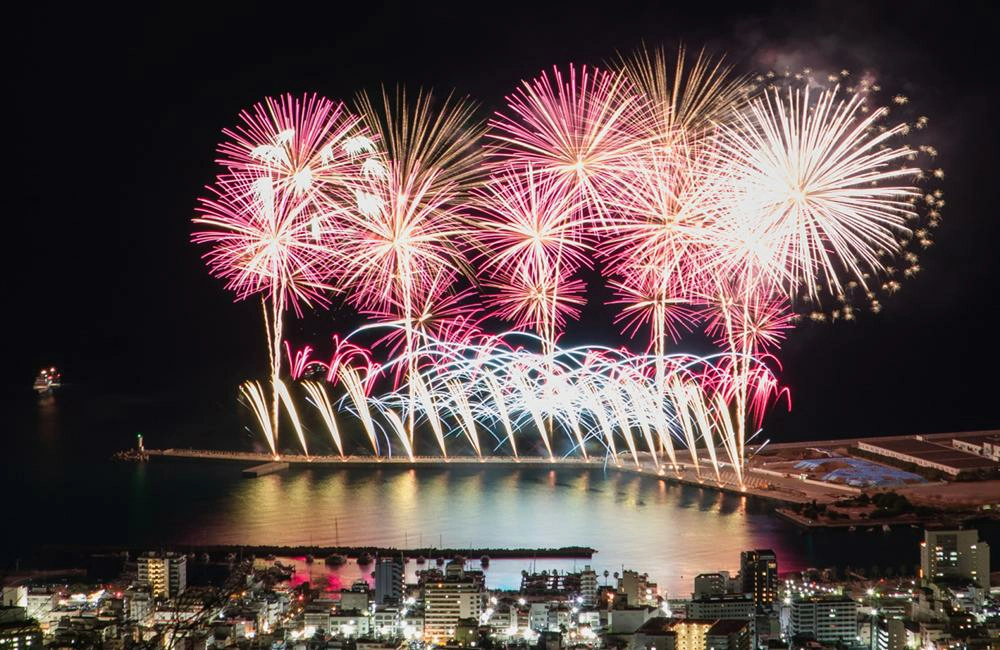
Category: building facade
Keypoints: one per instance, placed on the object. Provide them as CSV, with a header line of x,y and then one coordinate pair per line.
x,y
164,573
588,586
759,576
955,554
17,631
445,602
826,619
389,581
739,607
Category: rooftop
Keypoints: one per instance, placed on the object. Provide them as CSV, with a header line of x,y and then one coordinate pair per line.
x,y
933,452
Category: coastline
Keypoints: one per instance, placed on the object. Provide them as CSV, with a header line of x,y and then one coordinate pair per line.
x,y
782,491
351,552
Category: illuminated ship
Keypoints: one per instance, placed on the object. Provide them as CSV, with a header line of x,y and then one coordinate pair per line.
x,y
48,380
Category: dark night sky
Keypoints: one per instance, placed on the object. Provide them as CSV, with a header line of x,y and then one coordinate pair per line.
x,y
117,113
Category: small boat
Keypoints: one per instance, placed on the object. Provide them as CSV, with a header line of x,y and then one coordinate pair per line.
x,y
485,560
365,558
852,529
47,381
335,560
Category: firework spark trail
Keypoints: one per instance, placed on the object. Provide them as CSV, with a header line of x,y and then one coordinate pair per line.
x,y
593,395
321,401
397,426
463,410
430,411
680,394
502,415
286,398
300,360
355,389
254,395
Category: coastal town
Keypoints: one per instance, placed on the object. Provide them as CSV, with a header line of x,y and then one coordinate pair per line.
x,y
168,599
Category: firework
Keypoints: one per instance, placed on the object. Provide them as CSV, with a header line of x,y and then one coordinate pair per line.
x,y
305,145
532,243
424,137
657,238
402,241
320,400
542,302
262,242
689,99
576,128
288,158
818,194
709,201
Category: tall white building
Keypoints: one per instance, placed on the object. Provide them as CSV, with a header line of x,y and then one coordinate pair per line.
x,y
955,554
164,573
445,602
826,619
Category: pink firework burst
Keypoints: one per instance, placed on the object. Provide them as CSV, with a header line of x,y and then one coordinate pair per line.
x,y
529,219
754,320
648,302
540,302
655,238
302,143
402,235
441,313
262,242
660,224
575,127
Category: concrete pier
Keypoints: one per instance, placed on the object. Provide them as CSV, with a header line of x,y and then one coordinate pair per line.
x,y
685,473
263,470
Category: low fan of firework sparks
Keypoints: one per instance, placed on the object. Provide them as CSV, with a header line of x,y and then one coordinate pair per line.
x,y
709,201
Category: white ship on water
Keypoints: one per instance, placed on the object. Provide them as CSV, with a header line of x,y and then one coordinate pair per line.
x,y
47,381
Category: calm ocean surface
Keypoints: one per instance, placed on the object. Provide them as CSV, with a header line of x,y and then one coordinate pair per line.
x,y
59,487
